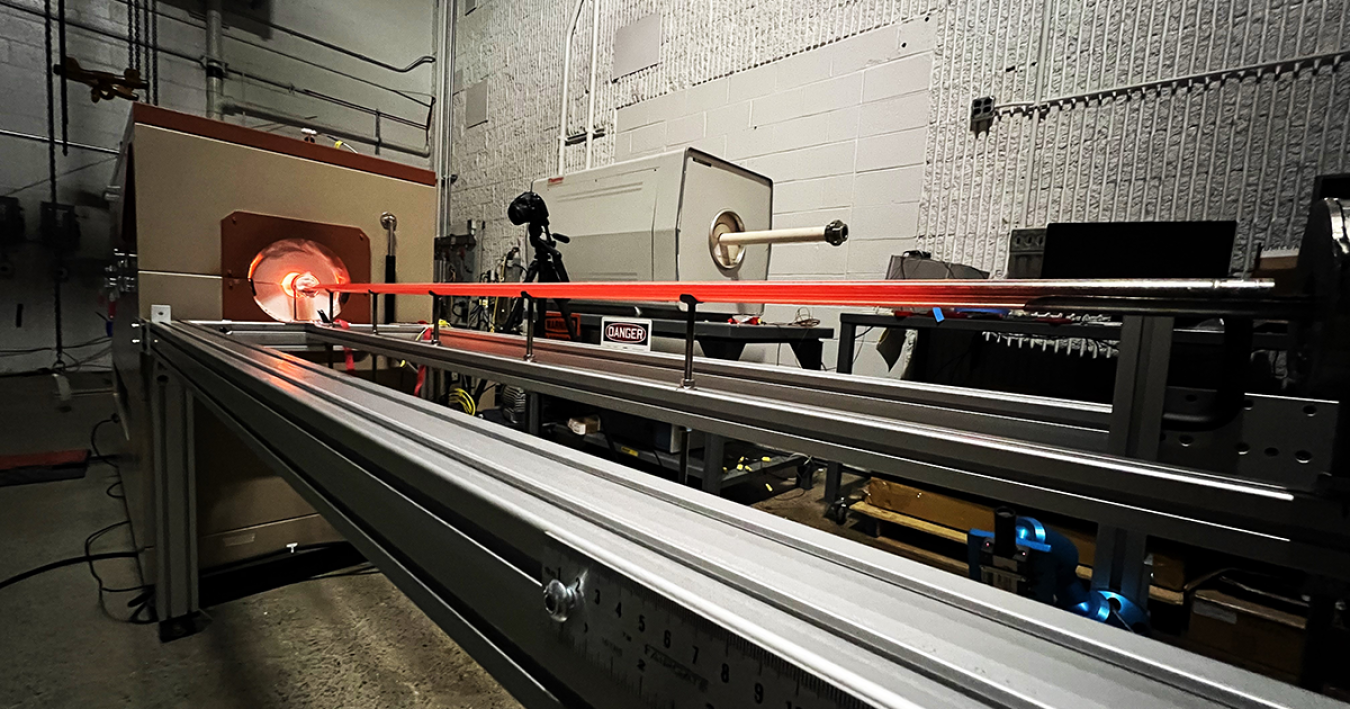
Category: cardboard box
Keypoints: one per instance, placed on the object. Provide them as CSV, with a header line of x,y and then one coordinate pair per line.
x,y
1247,634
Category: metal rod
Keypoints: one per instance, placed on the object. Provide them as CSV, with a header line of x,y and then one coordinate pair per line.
x,y
828,233
374,330
529,326
692,304
435,319
374,313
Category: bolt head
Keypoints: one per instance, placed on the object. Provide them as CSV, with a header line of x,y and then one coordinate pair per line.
x,y
559,600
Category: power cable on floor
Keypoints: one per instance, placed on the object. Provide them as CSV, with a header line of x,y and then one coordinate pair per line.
x,y
63,563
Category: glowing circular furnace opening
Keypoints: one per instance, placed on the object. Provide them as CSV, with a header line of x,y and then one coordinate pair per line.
x,y
284,274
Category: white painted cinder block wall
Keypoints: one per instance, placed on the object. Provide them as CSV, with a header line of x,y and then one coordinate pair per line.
x,y
1108,111
840,129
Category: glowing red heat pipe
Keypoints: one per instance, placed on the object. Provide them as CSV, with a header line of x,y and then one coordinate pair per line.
x,y
907,293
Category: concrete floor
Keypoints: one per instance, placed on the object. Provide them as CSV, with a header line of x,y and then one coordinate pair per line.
x,y
347,641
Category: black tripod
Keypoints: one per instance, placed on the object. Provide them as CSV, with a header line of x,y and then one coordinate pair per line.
x,y
547,266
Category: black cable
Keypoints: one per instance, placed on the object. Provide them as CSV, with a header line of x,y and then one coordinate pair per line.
x,y
135,8
58,365
65,99
88,544
95,341
131,37
64,563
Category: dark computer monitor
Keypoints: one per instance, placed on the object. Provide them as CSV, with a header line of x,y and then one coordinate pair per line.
x,y
1138,250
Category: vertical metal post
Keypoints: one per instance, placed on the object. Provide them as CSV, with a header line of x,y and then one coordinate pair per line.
x,y
691,305
374,312
174,465
374,330
332,316
1136,432
834,479
529,326
685,434
532,423
713,453
431,387
1141,387
435,319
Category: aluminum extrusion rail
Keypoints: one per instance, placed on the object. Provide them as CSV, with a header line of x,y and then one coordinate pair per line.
x,y
1251,519
663,596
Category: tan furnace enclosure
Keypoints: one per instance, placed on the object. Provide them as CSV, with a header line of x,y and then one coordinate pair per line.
x,y
189,186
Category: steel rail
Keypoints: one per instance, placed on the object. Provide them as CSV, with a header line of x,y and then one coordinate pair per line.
x,y
1256,520
461,514
1253,298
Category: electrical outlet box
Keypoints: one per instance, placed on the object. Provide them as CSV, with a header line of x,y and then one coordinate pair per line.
x,y
982,113
11,221
60,226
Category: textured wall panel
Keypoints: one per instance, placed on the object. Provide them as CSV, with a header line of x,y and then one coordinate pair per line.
x,y
1109,109
1167,111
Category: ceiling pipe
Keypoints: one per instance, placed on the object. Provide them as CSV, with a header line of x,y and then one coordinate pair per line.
x,y
567,71
590,111
215,66
271,114
444,144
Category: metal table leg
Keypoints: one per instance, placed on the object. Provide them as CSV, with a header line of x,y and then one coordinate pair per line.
x,y
532,422
809,353
834,479
848,334
175,474
713,454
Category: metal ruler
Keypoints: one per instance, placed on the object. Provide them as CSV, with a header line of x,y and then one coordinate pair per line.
x,y
667,655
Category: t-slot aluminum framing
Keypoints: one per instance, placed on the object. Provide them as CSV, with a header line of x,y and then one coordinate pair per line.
x,y
1028,451
461,514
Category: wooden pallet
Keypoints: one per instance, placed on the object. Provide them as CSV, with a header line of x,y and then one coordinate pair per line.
x,y
934,556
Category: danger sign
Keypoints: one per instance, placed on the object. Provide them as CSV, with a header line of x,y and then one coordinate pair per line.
x,y
626,333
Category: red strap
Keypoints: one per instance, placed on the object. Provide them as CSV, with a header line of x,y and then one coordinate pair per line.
x,y
347,351
422,370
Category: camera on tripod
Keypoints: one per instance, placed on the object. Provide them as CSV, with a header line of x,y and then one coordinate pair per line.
x,y
547,267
